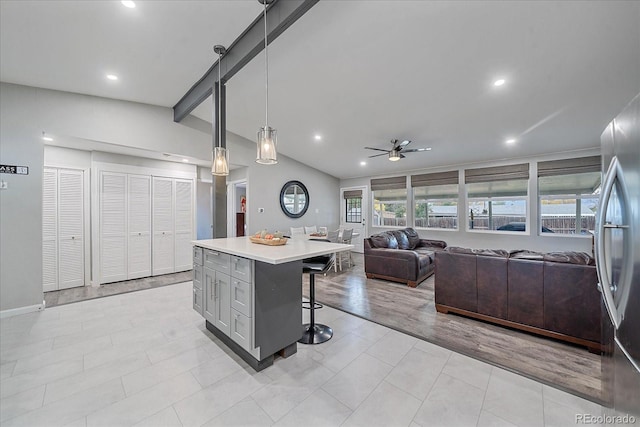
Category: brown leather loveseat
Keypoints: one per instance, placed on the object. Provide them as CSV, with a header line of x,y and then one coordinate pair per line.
x,y
552,294
400,256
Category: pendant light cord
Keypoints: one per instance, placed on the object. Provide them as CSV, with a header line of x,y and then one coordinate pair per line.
x,y
219,100
266,71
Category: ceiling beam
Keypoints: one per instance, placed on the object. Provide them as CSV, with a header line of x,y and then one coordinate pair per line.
x,y
280,16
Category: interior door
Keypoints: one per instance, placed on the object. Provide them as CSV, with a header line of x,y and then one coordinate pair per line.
x,y
353,209
50,230
139,221
113,227
70,228
184,225
163,226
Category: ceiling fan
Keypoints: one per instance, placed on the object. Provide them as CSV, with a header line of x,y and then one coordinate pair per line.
x,y
397,151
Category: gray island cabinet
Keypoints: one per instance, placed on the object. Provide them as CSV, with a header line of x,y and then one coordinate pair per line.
x,y
250,295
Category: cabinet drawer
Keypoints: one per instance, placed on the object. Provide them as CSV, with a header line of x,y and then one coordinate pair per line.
x,y
216,260
241,329
197,276
197,255
241,296
241,268
197,300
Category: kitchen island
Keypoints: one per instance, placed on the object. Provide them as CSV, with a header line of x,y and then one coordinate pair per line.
x,y
250,294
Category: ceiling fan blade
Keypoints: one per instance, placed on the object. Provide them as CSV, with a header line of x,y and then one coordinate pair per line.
x,y
378,155
404,143
416,150
377,149
402,156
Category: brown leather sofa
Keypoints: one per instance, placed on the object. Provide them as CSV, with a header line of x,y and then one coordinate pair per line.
x,y
552,294
400,256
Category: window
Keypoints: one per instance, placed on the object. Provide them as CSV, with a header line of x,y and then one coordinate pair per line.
x,y
497,197
435,198
353,206
569,193
389,201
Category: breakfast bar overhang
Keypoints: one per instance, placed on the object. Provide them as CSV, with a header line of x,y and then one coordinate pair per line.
x,y
250,294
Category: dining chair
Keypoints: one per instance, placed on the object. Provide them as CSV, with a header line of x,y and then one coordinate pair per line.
x,y
309,230
296,231
346,238
333,237
322,230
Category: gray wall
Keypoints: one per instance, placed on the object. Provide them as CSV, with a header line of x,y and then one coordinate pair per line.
x,y
264,183
27,111
21,202
508,241
24,113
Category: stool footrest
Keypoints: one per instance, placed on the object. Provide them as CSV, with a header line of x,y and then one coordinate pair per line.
x,y
307,305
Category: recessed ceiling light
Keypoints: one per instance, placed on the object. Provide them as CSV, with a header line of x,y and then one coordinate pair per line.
x,y
185,160
112,77
128,3
363,163
511,141
318,137
499,82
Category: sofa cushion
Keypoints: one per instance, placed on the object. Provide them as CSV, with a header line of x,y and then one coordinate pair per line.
x,y
483,252
384,240
570,257
525,254
413,237
401,237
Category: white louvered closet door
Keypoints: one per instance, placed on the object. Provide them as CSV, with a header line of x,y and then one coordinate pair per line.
x,y
184,225
113,227
139,221
70,228
50,230
163,226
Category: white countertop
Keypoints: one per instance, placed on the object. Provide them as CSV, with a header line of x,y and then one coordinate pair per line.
x,y
295,249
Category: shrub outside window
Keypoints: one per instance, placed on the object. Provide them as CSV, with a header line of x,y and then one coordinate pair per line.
x,y
435,200
390,208
389,201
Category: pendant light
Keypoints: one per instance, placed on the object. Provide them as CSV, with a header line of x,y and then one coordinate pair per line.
x,y
220,165
267,137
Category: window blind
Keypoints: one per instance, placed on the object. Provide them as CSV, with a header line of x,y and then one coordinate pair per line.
x,y
498,173
569,166
353,194
438,178
393,183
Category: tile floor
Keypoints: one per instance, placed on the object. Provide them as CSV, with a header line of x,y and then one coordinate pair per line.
x,y
145,359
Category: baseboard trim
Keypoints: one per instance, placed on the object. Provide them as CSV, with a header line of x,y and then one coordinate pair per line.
x,y
21,310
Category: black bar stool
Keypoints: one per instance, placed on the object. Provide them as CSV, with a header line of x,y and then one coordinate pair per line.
x,y
315,333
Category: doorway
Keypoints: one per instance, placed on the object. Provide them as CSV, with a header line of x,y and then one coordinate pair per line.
x,y
237,208
353,208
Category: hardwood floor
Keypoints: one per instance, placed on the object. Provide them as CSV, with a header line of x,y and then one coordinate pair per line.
x,y
411,310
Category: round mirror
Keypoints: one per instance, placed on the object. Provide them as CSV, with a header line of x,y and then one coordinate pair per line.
x,y
294,199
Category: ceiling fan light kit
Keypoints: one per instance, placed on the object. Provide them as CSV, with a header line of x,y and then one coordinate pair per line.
x,y
396,152
267,136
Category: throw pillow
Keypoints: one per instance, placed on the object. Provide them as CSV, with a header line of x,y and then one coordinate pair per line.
x,y
413,236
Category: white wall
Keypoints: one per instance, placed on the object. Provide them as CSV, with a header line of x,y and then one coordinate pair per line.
x,y
495,240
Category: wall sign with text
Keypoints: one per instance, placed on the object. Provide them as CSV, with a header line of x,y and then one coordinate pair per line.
x,y
16,170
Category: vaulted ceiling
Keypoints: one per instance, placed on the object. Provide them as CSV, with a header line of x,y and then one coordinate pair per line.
x,y
355,73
